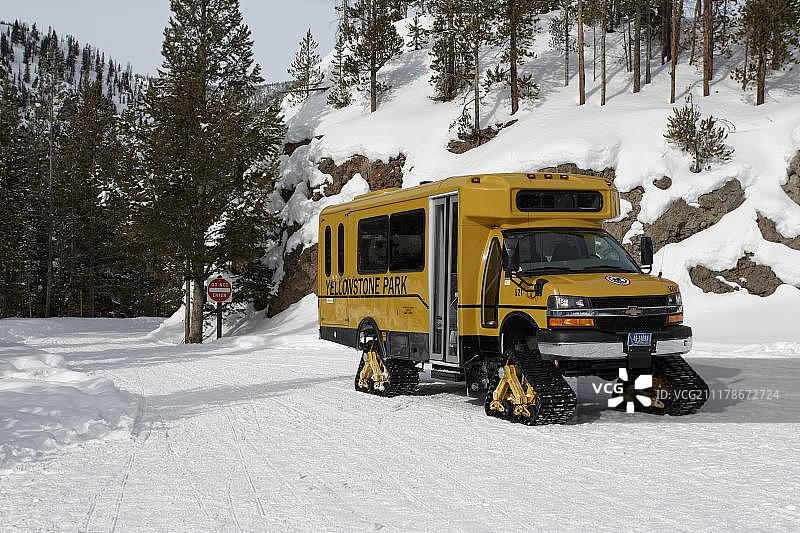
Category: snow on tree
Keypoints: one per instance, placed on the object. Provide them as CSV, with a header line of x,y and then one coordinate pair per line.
x,y
209,154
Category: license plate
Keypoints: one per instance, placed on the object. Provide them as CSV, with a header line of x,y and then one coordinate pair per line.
x,y
640,340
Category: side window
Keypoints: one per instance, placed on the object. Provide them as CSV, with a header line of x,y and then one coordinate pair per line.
x,y
327,250
491,285
407,238
373,245
340,249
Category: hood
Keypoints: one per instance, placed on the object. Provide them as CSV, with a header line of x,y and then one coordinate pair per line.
x,y
606,284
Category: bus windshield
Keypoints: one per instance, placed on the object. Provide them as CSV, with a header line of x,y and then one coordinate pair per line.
x,y
567,251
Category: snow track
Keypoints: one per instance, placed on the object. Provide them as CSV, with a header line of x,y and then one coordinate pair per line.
x,y
264,432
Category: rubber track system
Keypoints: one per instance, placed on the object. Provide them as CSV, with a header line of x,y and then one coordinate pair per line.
x,y
403,378
555,400
687,390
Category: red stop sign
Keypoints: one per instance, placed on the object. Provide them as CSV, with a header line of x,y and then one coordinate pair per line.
x,y
220,290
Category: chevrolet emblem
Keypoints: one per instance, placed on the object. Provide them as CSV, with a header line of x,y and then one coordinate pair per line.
x,y
633,311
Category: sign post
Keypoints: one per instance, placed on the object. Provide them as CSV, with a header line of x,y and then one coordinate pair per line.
x,y
220,290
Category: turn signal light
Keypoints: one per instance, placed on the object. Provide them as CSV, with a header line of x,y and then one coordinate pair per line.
x,y
555,322
675,319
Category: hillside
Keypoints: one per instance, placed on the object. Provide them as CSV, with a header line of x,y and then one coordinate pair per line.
x,y
729,235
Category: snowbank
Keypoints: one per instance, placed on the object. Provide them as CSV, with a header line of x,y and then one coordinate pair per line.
x,y
43,405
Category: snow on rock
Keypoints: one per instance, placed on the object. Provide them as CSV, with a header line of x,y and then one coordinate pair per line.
x,y
44,405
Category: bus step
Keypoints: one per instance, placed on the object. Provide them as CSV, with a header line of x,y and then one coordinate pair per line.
x,y
447,374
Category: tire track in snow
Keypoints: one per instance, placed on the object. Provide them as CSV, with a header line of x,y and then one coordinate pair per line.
x,y
245,469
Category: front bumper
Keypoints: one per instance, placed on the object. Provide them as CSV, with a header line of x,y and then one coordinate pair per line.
x,y
592,344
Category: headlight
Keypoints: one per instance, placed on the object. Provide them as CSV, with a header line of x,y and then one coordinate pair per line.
x,y
674,299
568,302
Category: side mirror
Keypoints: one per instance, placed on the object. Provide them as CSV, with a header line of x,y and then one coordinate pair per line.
x,y
511,260
646,249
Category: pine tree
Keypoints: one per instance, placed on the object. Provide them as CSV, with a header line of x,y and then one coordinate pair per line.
x,y
450,57
341,79
474,28
208,155
770,30
559,33
700,137
373,41
418,34
516,25
305,69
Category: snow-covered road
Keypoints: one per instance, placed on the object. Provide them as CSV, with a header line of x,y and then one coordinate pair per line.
x,y
264,432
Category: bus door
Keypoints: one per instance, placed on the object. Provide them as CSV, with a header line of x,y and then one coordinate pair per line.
x,y
443,279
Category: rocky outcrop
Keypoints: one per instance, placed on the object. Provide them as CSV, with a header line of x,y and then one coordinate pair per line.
x,y
300,279
468,142
756,279
792,187
300,266
663,183
771,234
378,174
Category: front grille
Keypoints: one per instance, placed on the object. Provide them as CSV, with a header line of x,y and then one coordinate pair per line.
x,y
628,301
631,324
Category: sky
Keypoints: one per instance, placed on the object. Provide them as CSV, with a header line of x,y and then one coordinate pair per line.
x,y
132,30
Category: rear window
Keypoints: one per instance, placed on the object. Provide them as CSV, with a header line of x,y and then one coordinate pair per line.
x,y
534,200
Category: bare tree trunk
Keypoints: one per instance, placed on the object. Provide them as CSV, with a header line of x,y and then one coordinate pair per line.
x,y
477,89
187,310
664,30
581,63
637,48
513,66
625,50
694,30
594,51
706,46
565,10
649,46
676,17
630,45
603,55
746,61
50,198
198,301
761,77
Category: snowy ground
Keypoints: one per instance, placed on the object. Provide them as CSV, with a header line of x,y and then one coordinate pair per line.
x,y
264,432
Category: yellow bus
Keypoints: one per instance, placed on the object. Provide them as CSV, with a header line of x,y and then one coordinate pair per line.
x,y
509,283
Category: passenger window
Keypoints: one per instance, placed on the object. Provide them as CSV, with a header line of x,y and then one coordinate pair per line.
x,y
491,286
407,237
373,245
327,250
340,249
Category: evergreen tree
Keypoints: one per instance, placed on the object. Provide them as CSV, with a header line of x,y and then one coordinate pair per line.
x,y
770,30
305,69
516,25
208,154
418,34
700,137
373,41
450,57
341,79
474,27
559,33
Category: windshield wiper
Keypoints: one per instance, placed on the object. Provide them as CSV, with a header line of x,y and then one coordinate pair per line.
x,y
607,268
536,271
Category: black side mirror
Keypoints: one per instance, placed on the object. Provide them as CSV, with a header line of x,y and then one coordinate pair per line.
x,y
511,260
646,249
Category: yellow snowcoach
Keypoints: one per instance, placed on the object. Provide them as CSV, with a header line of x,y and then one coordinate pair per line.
x,y
507,282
